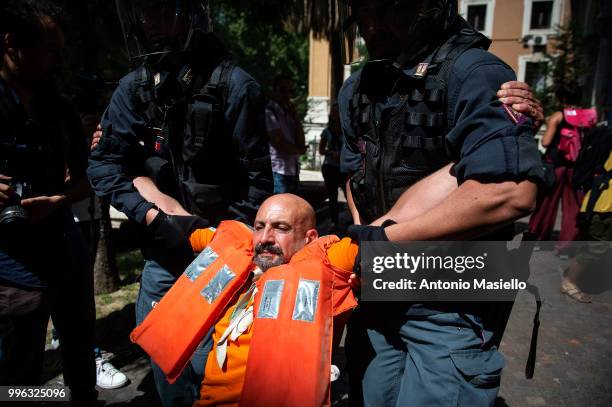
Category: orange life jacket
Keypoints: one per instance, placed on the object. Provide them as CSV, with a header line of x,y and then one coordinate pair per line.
x,y
173,330
290,352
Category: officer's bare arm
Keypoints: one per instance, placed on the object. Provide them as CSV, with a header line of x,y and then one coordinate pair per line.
x,y
150,192
470,211
422,196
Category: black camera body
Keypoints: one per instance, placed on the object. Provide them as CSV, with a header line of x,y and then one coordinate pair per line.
x,y
13,212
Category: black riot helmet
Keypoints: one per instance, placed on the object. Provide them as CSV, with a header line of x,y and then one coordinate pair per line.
x,y
422,20
158,27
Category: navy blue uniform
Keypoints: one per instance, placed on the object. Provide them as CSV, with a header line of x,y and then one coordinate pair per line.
x,y
119,157
422,355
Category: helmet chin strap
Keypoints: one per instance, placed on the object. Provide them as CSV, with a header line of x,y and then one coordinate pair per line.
x,y
425,39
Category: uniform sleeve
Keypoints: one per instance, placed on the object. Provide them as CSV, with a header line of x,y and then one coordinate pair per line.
x,y
114,162
350,157
484,142
246,111
200,238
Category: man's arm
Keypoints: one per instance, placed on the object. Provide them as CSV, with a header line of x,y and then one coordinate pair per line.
x,y
472,210
551,128
497,163
422,197
351,204
76,186
39,207
149,191
108,169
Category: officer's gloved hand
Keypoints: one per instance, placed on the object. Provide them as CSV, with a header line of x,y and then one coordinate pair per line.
x,y
363,233
169,238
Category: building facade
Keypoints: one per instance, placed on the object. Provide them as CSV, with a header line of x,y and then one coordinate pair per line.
x,y
520,30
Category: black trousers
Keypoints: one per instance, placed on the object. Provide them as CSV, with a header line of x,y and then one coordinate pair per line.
x,y
333,179
69,300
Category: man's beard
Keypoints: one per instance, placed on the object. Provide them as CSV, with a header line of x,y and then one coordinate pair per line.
x,y
264,262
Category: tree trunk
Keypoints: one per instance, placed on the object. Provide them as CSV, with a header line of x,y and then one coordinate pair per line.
x,y
106,273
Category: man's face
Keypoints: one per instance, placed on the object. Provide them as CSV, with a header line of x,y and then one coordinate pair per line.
x,y
386,25
280,231
161,21
36,65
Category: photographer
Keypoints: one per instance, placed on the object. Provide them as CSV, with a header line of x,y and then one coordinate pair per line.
x,y
39,274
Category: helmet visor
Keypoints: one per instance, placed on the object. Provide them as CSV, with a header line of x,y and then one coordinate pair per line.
x,y
352,13
414,23
160,26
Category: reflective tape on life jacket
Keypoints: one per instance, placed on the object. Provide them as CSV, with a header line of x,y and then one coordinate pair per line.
x,y
290,352
172,331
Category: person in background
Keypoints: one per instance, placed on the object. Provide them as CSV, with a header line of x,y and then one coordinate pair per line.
x,y
543,219
41,250
286,136
88,97
595,226
330,147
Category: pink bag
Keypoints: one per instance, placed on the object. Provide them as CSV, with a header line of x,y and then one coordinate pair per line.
x,y
571,137
584,118
569,144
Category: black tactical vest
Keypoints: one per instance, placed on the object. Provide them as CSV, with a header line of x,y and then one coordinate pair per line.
x,y
404,145
187,135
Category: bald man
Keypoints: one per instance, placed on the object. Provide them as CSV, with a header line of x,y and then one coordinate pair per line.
x,y
284,225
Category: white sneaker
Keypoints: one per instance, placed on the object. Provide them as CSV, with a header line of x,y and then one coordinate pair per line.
x,y
335,373
54,344
108,376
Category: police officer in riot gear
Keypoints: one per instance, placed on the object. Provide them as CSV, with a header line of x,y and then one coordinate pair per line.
x,y
192,122
427,100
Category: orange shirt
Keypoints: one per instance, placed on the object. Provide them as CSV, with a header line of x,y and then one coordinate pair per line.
x,y
222,387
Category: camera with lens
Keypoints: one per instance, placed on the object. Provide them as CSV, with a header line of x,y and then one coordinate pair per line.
x,y
13,212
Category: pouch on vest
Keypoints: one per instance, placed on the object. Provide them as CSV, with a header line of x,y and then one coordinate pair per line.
x,y
290,353
202,117
173,330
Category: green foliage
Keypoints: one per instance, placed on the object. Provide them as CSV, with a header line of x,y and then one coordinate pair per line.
x,y
264,50
364,57
265,37
562,68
